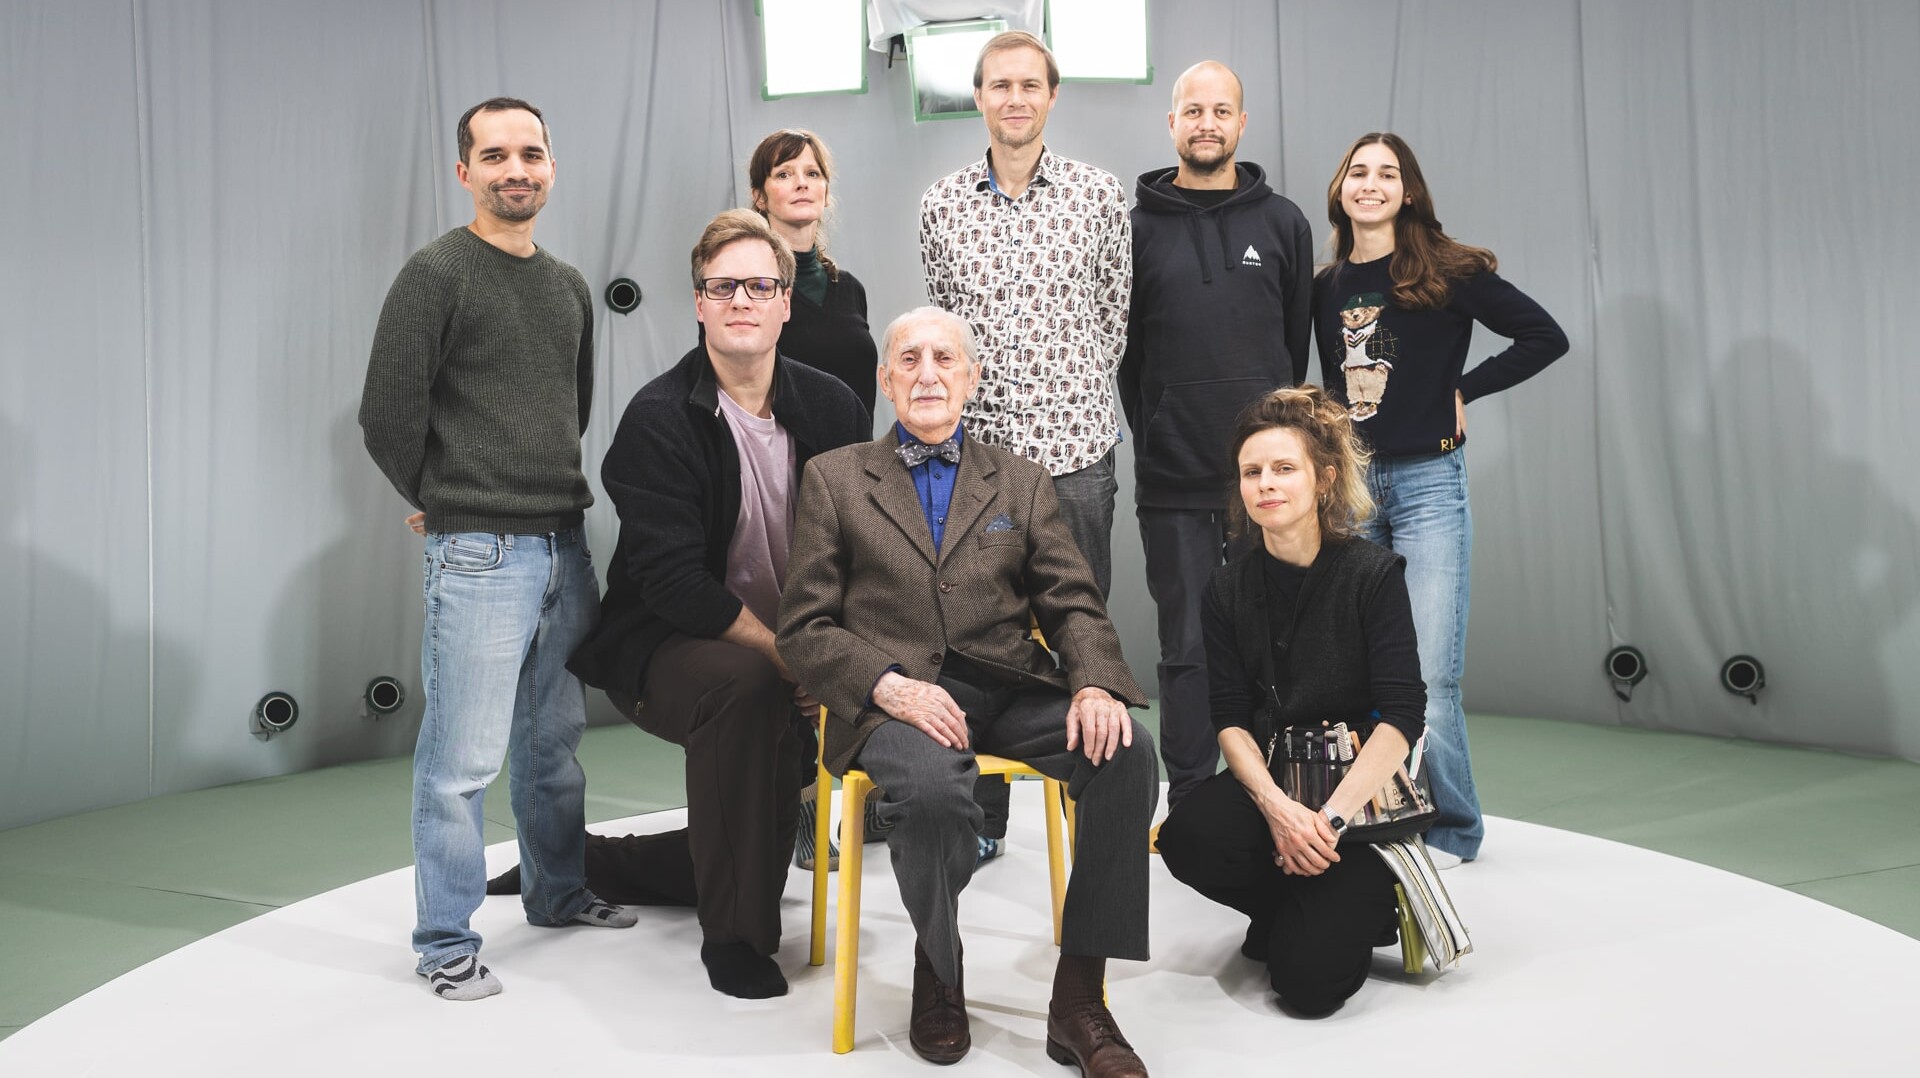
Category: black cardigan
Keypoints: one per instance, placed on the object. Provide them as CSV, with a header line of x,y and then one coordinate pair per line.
x,y
1351,650
674,476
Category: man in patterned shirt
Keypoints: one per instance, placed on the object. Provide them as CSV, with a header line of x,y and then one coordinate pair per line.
x,y
1036,252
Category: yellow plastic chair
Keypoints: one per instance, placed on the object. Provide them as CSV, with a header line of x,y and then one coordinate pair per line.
x,y
854,787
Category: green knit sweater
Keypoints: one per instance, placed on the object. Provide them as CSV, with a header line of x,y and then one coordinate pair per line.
x,y
479,385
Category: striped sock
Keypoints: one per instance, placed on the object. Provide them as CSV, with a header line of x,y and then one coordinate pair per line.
x,y
606,915
462,979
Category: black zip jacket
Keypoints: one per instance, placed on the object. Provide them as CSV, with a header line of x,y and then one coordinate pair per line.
x,y
1222,312
674,476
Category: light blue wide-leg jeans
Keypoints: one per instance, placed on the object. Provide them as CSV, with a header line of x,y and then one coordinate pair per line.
x,y
503,612
1422,514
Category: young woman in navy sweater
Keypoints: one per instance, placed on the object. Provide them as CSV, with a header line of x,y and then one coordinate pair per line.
x,y
1393,317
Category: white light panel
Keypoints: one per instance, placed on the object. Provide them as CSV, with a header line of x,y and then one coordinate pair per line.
x,y
1100,39
814,46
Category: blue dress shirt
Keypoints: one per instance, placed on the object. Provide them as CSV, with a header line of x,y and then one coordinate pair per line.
x,y
933,478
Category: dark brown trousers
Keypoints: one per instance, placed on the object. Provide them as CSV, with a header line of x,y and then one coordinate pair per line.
x,y
728,708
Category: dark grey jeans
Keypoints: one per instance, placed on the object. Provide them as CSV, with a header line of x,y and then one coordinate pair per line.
x,y
928,798
1183,548
1086,506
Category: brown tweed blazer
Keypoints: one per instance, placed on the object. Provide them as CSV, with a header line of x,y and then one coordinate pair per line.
x,y
866,590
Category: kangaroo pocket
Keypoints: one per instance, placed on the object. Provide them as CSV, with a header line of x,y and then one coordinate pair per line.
x,y
1186,439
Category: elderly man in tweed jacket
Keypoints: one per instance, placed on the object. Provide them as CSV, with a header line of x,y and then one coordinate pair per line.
x,y
919,562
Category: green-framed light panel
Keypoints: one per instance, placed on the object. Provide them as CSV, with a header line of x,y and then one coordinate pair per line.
x,y
822,47
944,54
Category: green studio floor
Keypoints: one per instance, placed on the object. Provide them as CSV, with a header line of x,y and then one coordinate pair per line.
x,y
86,898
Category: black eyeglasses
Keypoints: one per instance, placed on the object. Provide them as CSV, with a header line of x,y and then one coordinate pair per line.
x,y
759,289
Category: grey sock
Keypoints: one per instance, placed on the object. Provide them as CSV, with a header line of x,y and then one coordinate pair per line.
x,y
803,838
606,915
462,979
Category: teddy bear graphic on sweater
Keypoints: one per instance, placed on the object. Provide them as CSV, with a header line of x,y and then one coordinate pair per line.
x,y
1370,351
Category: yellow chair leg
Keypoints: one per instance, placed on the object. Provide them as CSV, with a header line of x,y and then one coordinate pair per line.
x,y
1413,949
822,829
846,955
1056,854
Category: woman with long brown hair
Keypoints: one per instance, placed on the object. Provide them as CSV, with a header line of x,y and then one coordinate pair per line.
x,y
1307,627
1393,316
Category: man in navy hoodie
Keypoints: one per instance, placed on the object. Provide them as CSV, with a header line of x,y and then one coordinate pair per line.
x,y
1222,291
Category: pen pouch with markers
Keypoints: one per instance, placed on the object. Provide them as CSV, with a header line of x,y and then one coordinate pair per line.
x,y
1309,763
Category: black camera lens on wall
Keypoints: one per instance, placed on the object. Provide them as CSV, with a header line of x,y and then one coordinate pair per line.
x,y
275,713
1626,667
1743,675
384,696
623,295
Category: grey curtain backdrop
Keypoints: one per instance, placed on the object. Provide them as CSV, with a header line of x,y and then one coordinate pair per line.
x,y
210,198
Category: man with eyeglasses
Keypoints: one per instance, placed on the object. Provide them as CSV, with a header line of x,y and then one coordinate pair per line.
x,y
702,472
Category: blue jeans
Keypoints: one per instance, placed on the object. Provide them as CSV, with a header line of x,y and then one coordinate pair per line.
x,y
503,612
1422,514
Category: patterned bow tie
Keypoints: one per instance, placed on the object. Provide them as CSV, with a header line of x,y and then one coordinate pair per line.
x,y
915,453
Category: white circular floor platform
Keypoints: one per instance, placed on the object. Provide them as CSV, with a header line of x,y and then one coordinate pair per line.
x,y
1591,958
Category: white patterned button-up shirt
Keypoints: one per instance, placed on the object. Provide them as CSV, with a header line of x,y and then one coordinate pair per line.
x,y
1044,279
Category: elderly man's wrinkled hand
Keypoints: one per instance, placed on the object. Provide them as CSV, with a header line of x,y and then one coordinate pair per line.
x,y
924,706
1097,724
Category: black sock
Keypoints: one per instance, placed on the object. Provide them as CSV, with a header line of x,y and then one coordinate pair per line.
x,y
739,970
506,883
1079,981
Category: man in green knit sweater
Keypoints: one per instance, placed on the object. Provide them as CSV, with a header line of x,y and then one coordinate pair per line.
x,y
477,392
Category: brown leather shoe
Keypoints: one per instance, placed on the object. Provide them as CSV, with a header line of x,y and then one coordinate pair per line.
x,y
1089,1039
939,1031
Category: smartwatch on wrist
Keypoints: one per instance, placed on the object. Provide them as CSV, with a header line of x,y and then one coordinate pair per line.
x,y
1339,825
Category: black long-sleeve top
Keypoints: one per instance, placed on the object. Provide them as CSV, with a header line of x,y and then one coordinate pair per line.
x,y
1340,633
1422,354
833,336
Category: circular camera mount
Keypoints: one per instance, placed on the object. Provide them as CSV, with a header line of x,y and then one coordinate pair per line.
x,y
623,295
1743,675
384,696
275,713
1626,667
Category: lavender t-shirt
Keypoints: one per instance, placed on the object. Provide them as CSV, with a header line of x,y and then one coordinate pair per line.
x,y
757,557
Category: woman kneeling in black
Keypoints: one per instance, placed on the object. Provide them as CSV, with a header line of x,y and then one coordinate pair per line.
x,y
1309,626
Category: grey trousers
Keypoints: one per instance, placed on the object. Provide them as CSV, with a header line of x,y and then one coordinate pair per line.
x,y
1183,548
928,798
1086,507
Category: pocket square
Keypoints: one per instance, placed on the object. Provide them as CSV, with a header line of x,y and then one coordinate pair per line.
x,y
1001,523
